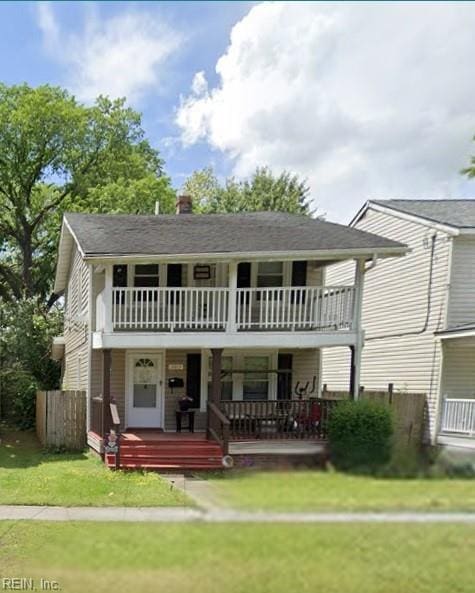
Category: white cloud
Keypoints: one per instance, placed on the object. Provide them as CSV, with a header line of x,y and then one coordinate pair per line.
x,y
365,100
121,56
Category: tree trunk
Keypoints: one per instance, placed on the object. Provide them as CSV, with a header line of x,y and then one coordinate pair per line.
x,y
27,261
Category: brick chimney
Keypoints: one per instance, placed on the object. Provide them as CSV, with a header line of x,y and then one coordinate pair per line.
x,y
184,205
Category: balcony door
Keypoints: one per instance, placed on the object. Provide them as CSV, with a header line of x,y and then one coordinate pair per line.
x,y
145,391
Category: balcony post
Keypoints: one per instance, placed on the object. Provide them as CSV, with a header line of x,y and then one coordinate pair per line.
x,y
232,296
356,350
358,294
108,300
216,367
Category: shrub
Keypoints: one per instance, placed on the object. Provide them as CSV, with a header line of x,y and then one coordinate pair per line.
x,y
18,396
360,434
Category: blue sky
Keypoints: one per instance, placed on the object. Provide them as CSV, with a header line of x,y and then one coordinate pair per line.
x,y
362,99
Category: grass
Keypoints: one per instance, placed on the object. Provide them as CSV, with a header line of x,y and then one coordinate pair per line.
x,y
333,491
29,475
240,558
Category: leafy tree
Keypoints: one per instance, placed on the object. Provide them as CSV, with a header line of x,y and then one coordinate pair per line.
x,y
263,191
470,170
56,155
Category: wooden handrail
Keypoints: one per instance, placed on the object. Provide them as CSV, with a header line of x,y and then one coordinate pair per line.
x,y
221,416
218,426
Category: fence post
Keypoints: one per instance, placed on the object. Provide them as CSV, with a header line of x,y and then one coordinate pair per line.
x,y
390,392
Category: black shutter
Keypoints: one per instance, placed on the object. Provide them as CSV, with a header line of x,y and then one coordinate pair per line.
x,y
174,280
119,276
244,275
119,280
244,279
299,278
299,273
193,378
174,275
284,377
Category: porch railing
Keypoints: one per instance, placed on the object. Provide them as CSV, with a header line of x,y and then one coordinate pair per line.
x,y
458,416
278,419
328,308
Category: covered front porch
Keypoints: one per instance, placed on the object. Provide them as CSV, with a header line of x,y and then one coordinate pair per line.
x,y
252,396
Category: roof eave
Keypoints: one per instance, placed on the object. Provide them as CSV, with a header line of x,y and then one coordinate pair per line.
x,y
394,211
67,237
369,252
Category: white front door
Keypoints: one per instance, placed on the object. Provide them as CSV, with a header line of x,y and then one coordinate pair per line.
x,y
145,391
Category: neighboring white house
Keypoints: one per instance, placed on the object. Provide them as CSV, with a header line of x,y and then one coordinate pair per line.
x,y
419,311
231,309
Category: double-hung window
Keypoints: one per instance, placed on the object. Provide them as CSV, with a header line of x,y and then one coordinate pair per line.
x,y
255,384
269,275
146,276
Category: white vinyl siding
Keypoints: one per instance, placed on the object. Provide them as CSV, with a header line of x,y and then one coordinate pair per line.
x,y
76,352
462,282
395,303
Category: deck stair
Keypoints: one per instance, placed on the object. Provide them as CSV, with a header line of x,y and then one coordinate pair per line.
x,y
169,452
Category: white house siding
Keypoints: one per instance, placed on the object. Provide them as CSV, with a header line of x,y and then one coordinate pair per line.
x,y
459,368
76,325
462,282
399,348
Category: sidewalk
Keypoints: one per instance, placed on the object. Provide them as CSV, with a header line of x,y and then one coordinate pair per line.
x,y
185,515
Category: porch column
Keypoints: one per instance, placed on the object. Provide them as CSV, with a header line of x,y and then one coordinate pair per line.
x,y
357,328
106,390
216,366
232,283
108,300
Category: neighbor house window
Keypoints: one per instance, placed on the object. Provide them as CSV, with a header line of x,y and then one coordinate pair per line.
x,y
256,378
227,379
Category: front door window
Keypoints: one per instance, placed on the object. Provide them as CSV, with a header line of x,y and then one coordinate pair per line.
x,y
145,384
145,396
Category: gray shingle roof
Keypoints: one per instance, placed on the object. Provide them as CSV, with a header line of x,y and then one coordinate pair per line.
x,y
456,213
120,234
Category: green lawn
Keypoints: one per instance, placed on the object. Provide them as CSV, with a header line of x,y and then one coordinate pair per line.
x,y
241,558
323,491
30,476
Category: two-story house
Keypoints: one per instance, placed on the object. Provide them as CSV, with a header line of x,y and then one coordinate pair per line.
x,y
230,309
419,311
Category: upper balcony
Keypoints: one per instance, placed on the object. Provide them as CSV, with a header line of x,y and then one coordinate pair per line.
x,y
189,309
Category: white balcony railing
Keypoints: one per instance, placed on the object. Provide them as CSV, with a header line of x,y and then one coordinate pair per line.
x,y
458,416
170,308
327,308
310,308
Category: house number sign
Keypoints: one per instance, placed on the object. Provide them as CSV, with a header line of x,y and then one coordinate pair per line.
x,y
175,367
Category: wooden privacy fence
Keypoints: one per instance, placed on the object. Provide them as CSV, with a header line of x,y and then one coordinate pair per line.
x,y
61,418
408,411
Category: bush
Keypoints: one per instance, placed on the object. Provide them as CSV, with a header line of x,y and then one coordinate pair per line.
x,y
18,396
360,435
